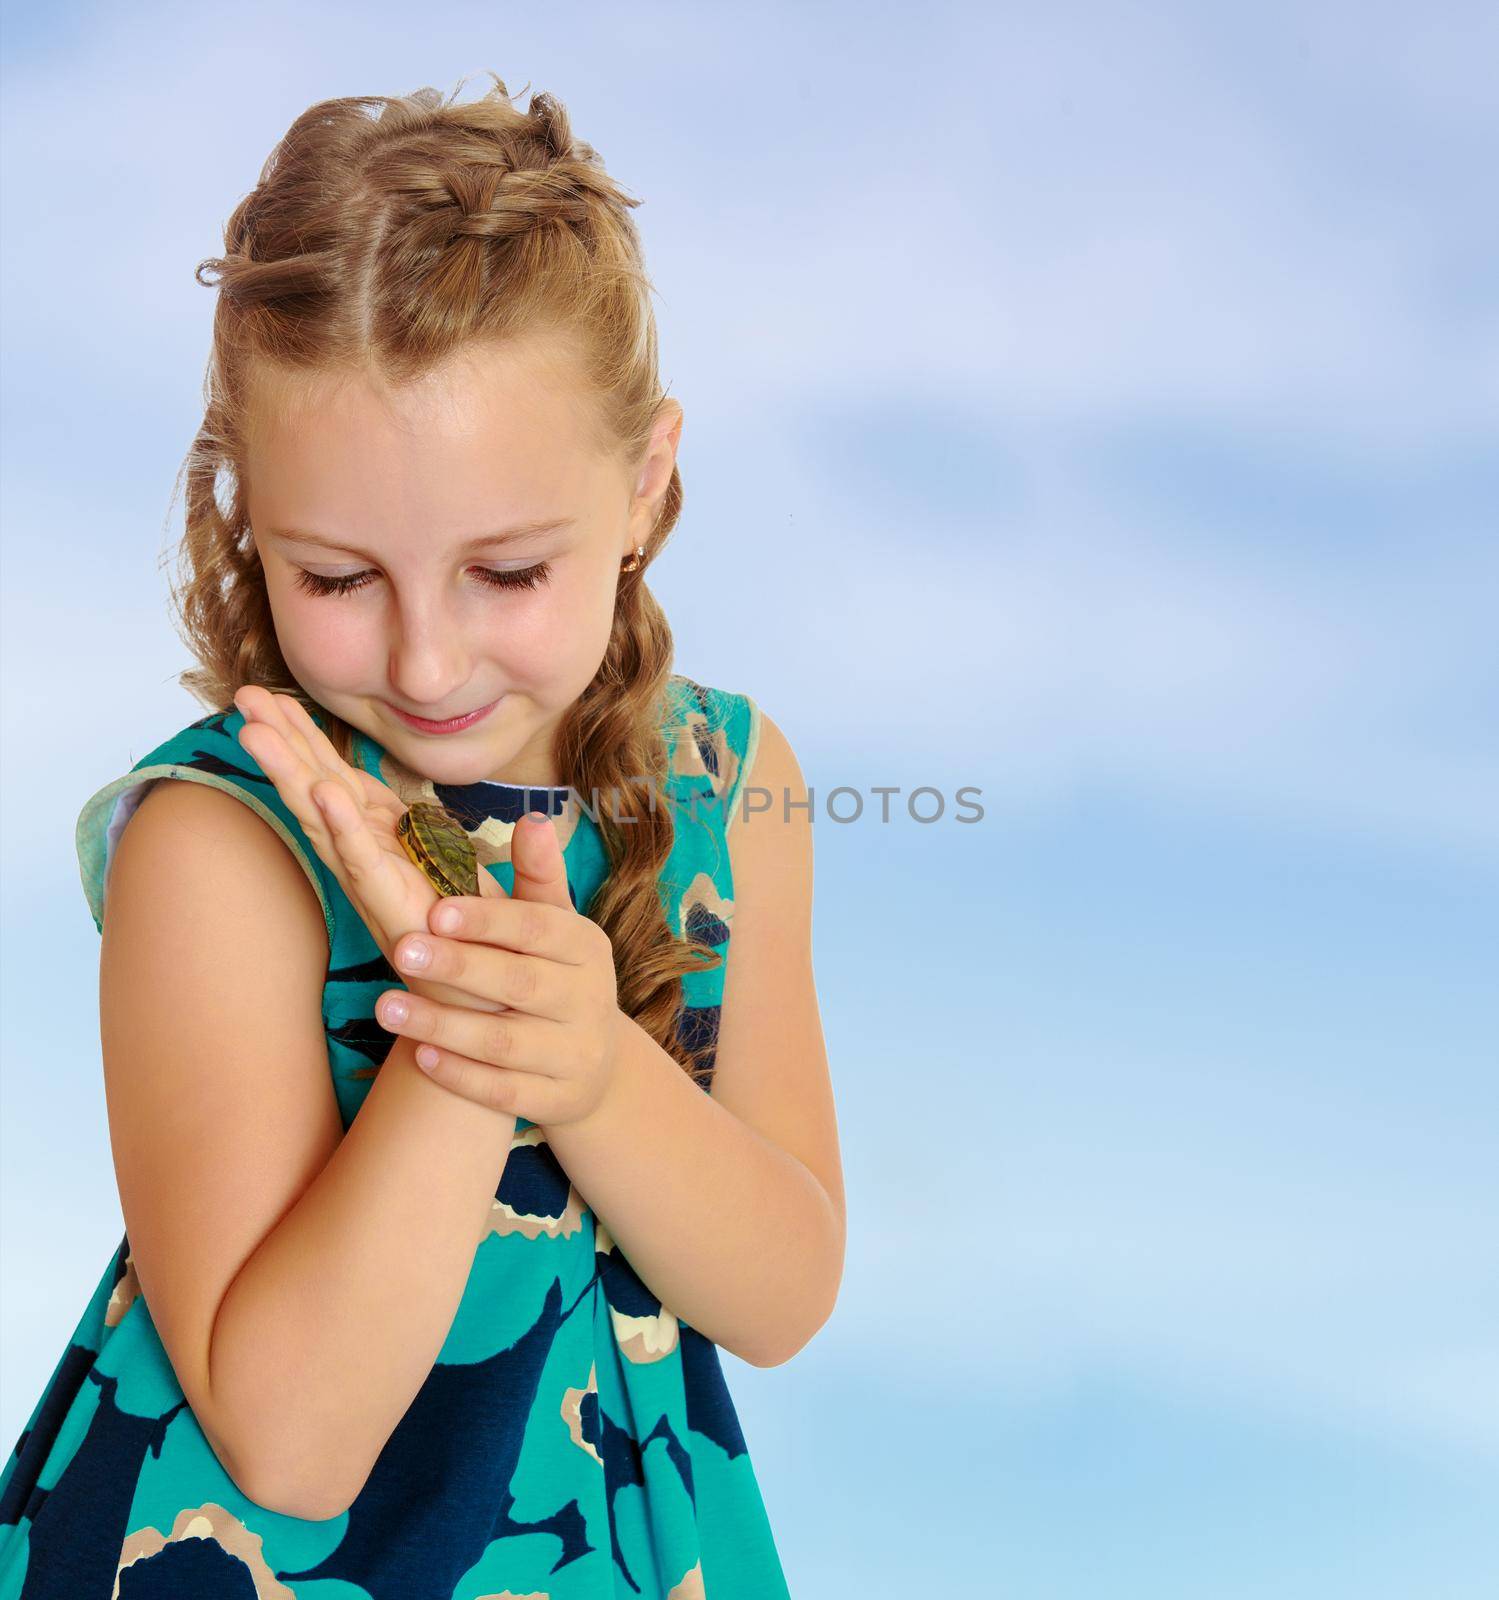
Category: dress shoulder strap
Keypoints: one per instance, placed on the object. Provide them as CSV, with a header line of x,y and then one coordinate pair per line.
x,y
207,751
713,736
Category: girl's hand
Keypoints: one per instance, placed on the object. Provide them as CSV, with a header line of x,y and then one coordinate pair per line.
x,y
550,1056
356,834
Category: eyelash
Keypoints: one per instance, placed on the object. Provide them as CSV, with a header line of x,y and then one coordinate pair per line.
x,y
526,578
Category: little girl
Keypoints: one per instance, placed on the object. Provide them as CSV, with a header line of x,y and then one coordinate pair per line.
x,y
438,1206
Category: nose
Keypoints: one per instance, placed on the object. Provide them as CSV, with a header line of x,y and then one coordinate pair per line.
x,y
429,659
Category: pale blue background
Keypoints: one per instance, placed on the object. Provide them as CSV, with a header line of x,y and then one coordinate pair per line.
x,y
1096,405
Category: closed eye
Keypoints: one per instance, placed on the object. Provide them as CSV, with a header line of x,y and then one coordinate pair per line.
x,y
525,578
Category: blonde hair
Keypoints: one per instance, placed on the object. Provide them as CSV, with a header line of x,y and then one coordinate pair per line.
x,y
387,234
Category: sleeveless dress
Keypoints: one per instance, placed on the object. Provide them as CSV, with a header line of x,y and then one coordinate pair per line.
x,y
575,1439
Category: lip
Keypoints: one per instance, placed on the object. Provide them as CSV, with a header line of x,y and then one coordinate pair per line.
x,y
452,725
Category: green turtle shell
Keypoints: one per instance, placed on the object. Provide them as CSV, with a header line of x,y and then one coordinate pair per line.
x,y
437,842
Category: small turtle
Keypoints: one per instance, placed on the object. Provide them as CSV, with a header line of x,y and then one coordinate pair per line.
x,y
436,841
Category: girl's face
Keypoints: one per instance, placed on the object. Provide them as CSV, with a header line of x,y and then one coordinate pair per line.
x,y
400,501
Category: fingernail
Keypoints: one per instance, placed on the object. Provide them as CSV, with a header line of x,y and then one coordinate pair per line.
x,y
444,919
537,816
416,954
394,1009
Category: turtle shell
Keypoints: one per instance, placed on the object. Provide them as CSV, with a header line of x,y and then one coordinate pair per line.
x,y
438,843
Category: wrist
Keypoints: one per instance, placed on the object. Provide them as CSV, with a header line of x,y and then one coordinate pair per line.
x,y
611,1073
621,1036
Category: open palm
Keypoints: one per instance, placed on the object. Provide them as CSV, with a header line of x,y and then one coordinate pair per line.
x,y
356,838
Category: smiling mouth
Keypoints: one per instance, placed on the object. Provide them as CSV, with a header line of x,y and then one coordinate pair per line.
x,y
444,724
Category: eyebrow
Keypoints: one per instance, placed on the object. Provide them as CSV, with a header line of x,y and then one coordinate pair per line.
x,y
521,530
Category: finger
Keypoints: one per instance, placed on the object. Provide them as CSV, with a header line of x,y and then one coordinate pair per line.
x,y
365,786
525,983
319,745
336,828
531,927
257,706
496,1039
540,872
371,869
377,794
311,757
302,765
291,776
269,709
505,1089
312,747
324,753
253,701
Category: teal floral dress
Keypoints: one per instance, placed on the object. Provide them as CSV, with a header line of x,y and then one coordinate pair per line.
x,y
575,1439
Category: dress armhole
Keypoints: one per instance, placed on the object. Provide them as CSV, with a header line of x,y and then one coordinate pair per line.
x,y
733,799
104,815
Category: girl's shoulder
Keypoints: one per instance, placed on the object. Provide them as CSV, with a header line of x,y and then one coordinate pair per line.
x,y
206,751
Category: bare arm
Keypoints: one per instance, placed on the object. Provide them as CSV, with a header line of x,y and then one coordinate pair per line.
x,y
734,1233
742,1227
302,1280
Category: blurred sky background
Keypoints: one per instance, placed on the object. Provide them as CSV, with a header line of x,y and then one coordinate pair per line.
x,y
1094,405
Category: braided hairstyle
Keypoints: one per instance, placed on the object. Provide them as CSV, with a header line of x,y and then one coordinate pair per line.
x,y
386,234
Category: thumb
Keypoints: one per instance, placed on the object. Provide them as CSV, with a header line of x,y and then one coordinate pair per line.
x,y
536,855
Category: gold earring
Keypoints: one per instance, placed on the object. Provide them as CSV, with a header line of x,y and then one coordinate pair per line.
x,y
631,563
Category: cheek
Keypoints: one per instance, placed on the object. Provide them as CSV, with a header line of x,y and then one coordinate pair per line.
x,y
326,644
555,639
